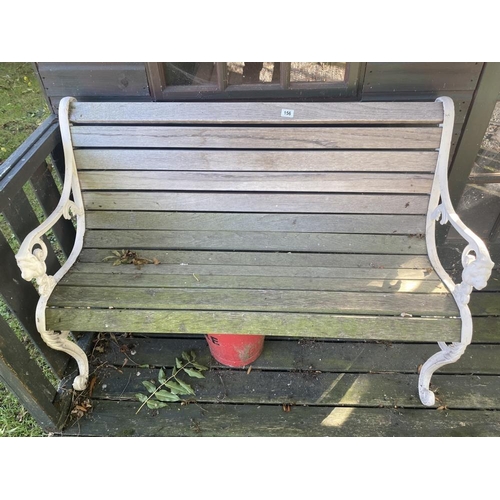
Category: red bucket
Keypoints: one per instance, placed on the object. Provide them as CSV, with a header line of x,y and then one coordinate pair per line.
x,y
235,350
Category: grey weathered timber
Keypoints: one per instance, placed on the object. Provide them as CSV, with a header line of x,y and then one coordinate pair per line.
x,y
387,304
257,202
26,380
256,137
308,223
289,259
254,240
257,181
139,280
248,160
256,270
280,324
257,112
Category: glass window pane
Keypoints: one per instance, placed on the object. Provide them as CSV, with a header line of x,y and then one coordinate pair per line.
x,y
317,71
240,73
190,73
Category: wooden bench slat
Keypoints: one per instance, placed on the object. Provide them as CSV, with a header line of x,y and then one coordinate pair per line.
x,y
255,300
210,160
280,324
254,240
253,282
337,260
257,137
242,270
257,112
257,181
255,202
310,223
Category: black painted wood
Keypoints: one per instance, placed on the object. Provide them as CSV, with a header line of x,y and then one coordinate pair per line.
x,y
26,380
48,195
23,220
397,77
21,298
20,166
94,79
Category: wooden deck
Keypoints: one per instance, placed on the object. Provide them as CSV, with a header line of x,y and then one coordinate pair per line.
x,y
299,387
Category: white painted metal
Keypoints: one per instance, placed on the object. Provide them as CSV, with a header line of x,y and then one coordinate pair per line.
x,y
475,259
33,252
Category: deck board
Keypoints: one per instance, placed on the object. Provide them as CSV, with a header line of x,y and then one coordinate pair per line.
x,y
334,388
119,419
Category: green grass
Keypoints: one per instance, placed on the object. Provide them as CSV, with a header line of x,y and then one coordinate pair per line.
x,y
22,106
22,110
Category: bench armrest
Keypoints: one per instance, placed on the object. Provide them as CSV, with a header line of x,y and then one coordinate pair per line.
x,y
33,251
476,260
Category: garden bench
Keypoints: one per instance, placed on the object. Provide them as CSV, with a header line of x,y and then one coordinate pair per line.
x,y
291,219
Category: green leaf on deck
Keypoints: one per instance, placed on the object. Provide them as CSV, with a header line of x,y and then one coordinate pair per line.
x,y
155,405
176,388
200,367
167,396
194,373
149,386
161,376
141,397
187,387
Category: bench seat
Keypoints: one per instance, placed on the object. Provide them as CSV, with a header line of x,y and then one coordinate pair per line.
x,y
296,219
279,294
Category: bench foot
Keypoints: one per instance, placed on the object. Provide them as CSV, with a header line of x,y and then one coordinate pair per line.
x,y
60,342
448,354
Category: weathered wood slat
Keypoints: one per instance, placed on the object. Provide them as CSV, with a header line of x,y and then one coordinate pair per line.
x,y
341,182
307,355
265,202
91,255
486,330
485,304
254,240
220,160
256,137
280,324
120,419
257,112
318,389
255,300
223,270
309,223
253,282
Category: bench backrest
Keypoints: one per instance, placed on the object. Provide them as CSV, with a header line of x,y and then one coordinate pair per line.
x,y
293,177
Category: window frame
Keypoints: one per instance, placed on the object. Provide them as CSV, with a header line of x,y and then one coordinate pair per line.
x,y
348,89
